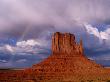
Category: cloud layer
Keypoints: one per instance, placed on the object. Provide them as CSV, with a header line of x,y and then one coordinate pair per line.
x,y
18,18
26,26
24,53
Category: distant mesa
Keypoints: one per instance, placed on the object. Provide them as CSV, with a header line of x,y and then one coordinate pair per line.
x,y
67,63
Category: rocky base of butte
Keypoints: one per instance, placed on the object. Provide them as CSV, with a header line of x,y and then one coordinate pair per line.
x,y
67,63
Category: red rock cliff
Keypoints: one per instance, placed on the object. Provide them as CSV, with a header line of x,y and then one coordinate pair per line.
x,y
65,43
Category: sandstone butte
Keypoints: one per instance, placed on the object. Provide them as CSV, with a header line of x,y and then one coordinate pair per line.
x,y
67,63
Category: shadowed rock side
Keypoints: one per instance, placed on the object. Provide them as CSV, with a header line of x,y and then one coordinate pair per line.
x,y
67,63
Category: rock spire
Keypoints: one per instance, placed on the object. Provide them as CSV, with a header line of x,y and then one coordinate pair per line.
x,y
65,43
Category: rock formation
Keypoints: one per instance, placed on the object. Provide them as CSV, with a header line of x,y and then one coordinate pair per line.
x,y
67,63
67,59
65,44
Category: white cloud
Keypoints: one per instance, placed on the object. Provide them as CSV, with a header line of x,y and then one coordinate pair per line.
x,y
24,51
29,47
9,48
92,30
28,43
21,60
102,35
3,61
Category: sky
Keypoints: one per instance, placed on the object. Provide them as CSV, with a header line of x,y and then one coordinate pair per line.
x,y
26,27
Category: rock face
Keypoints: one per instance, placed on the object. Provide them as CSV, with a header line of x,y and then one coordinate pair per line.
x,y
65,44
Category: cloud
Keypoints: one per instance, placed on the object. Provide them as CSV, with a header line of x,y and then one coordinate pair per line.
x,y
21,60
92,30
28,43
9,48
3,61
103,36
32,46
22,17
32,22
23,54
